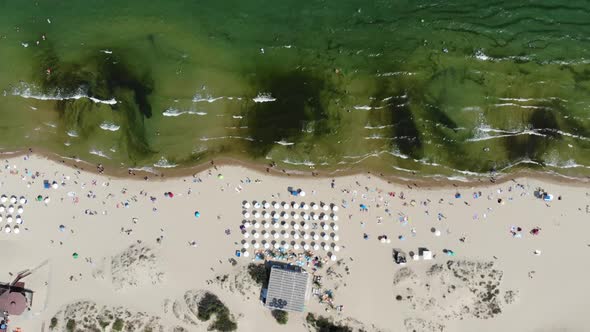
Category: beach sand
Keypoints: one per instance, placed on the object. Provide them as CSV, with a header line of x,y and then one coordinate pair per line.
x,y
135,258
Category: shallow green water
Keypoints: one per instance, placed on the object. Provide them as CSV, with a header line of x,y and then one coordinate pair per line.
x,y
448,87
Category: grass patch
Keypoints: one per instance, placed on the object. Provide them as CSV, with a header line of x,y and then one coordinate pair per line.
x,y
118,324
259,273
71,325
53,323
210,305
281,316
323,324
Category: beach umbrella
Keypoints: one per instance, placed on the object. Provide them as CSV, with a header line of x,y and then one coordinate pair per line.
x,y
266,245
75,255
437,233
336,238
246,254
276,205
256,245
247,224
294,205
286,246
256,235
336,248
3,199
335,228
19,220
306,236
286,206
326,227
266,235
16,230
62,228
316,217
326,247
296,247
197,214
306,216
314,206
305,226
46,200
246,214
326,237
265,204
275,224
316,237
8,219
326,207
306,247
333,258
325,217
256,225
296,226
266,215
246,245
285,216
266,225
296,236
334,207
257,205
10,209
246,205
22,200
2,208
7,229
295,216
256,215
383,240
276,235
39,198
13,199
305,206
277,246
302,193
316,247
246,235
335,218
0,218
286,235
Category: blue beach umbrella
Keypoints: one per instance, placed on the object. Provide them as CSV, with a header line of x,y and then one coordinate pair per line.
x,y
197,214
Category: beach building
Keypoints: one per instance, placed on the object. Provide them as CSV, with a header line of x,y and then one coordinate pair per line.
x,y
288,288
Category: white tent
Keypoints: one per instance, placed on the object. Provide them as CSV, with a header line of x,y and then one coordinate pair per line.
x,y
427,255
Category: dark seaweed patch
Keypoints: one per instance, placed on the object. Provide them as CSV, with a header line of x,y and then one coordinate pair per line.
x,y
298,108
102,77
531,146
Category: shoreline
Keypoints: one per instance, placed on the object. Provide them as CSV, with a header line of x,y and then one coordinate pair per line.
x,y
414,180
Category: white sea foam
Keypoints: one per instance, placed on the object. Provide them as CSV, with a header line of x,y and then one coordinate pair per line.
x,y
208,98
106,51
29,91
378,127
204,139
109,126
143,169
363,107
164,163
298,163
264,98
237,116
285,143
173,112
72,133
396,73
99,153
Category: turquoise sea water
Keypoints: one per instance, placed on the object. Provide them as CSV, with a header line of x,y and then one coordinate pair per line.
x,y
449,87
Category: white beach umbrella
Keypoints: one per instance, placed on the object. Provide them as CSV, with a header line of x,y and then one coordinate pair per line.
x,y
437,233
315,206
277,246
336,238
296,236
326,217
3,199
326,237
316,247
286,226
0,218
316,217
246,235
335,228
256,245
13,199
2,208
276,225
306,236
19,220
246,254
306,247
326,247
296,247
286,246
286,216
316,237
294,205
266,205
9,219
246,214
286,206
10,209
335,208
336,248
383,240
326,227
305,226
256,235
326,207
20,210
46,200
16,229
266,245
335,218
247,224
256,225
305,207
246,205
295,216
7,229
286,235
256,215
266,235
266,215
22,200
257,205
246,245
333,258
276,235
302,193
276,206
266,225
296,226
306,216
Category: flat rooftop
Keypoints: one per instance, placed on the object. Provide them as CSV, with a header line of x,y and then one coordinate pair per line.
x,y
288,289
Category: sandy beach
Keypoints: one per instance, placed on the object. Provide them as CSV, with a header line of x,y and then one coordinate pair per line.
x,y
504,260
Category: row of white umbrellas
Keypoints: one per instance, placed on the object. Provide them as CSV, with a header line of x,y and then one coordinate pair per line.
x,y
292,215
287,206
286,225
9,219
293,244
11,209
14,229
285,235
13,199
